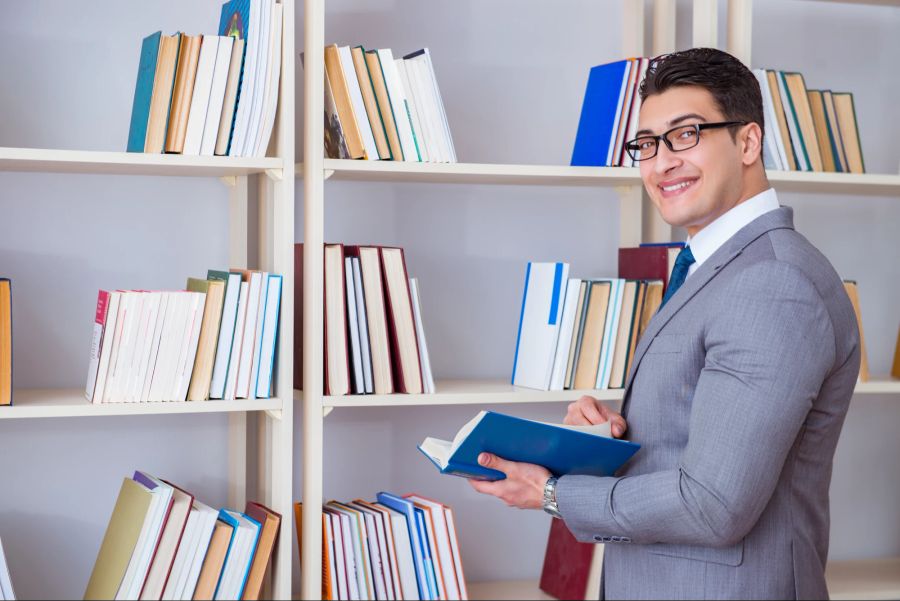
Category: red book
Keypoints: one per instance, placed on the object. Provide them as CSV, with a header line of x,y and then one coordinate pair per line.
x,y
567,564
647,262
401,323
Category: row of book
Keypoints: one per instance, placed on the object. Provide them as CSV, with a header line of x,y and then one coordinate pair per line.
x,y
211,94
381,108
808,130
399,547
805,130
163,543
374,334
6,350
216,340
6,589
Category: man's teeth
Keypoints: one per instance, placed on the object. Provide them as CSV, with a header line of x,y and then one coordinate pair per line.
x,y
677,186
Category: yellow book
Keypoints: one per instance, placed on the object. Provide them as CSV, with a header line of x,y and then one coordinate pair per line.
x,y
5,342
846,116
823,136
895,370
853,292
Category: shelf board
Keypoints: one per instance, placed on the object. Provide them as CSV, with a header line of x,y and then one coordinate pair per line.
x,y
863,579
559,175
880,385
872,2
130,163
44,403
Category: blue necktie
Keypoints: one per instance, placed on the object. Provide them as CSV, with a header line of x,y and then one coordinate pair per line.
x,y
679,273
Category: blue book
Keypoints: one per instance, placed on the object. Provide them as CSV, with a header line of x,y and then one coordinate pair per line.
x,y
269,337
236,559
600,112
143,91
662,244
430,574
408,509
561,449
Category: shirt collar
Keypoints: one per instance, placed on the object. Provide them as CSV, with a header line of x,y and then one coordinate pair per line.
x,y
708,240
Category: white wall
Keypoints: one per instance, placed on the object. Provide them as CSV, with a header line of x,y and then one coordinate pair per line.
x,y
512,74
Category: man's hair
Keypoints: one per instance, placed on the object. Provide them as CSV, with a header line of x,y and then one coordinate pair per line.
x,y
732,85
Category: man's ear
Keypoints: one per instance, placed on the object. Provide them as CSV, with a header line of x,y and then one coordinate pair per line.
x,y
750,139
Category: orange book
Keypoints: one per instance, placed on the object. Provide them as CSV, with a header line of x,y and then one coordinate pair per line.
x,y
5,342
853,292
268,536
188,57
214,562
895,370
160,100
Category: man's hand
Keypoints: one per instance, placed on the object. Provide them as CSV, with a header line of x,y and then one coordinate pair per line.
x,y
588,411
524,484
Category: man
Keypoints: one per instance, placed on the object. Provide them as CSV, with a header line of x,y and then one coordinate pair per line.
x,y
740,384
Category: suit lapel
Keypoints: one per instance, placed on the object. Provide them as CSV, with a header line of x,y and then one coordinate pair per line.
x,y
778,219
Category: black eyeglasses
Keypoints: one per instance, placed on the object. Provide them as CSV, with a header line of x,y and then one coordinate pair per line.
x,y
683,137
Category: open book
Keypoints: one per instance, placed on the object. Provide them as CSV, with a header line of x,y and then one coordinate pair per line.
x,y
586,450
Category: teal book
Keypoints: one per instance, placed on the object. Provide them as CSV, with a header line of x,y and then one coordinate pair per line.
x,y
143,91
564,450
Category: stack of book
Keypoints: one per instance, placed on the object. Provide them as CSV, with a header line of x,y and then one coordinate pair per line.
x,y
5,342
162,543
374,334
211,94
381,108
589,340
395,548
609,115
214,340
808,130
6,590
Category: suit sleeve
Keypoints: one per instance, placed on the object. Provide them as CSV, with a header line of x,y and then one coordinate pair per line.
x,y
766,358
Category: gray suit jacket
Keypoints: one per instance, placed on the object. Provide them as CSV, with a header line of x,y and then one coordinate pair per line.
x,y
738,392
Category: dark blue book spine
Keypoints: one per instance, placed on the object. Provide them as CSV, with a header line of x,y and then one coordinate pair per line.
x,y
143,91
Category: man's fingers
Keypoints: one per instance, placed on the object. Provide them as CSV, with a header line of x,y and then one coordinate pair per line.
x,y
592,410
493,462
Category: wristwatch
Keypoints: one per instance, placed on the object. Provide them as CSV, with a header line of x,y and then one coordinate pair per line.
x,y
550,505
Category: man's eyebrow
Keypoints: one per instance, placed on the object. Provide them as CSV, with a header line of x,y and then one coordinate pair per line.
x,y
673,123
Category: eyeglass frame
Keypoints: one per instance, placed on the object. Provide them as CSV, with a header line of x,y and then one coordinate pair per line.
x,y
698,127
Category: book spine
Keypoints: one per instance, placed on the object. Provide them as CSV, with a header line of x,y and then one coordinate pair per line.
x,y
96,341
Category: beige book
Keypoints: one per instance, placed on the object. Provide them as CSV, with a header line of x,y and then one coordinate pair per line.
x,y
119,542
169,540
226,119
368,94
797,89
636,326
373,62
853,292
183,92
823,136
573,346
831,115
846,116
623,335
344,104
592,338
652,301
772,76
215,560
160,99
201,375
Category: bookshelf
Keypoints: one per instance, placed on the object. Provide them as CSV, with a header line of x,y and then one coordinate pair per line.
x,y
637,223
259,431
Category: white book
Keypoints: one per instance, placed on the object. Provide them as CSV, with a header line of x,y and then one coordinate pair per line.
x,y
359,386
564,340
386,547
108,340
353,539
200,96
328,536
117,369
209,517
457,556
363,323
376,560
441,543
541,312
152,306
424,359
259,84
216,95
611,330
359,107
271,307
793,128
173,326
415,114
6,588
237,562
245,367
257,336
334,524
188,543
153,358
273,74
185,366
350,556
448,138
774,151
248,78
236,342
136,573
403,548
140,347
429,109
226,335
619,106
398,105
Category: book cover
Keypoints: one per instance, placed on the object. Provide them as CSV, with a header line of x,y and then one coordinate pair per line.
x,y
600,112
183,92
840,158
6,348
268,536
204,361
169,541
376,75
823,134
853,292
160,100
895,369
567,564
408,510
337,359
269,337
848,124
211,572
143,92
791,114
644,263
790,153
201,94
598,301
340,89
401,323
234,21
376,122
564,450
335,141
373,289
803,113
222,141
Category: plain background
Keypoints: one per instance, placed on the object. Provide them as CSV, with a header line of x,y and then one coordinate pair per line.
x,y
512,75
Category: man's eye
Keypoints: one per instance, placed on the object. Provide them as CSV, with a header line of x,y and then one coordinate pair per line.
x,y
646,144
687,134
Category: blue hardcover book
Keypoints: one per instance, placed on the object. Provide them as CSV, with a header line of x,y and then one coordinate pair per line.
x,y
564,450
430,574
232,520
143,91
245,569
408,509
600,114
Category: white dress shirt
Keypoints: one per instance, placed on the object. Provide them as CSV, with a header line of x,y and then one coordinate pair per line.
x,y
713,236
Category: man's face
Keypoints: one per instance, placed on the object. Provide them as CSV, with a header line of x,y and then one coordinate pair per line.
x,y
694,187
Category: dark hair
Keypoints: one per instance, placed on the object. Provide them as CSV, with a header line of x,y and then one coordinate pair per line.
x,y
732,85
